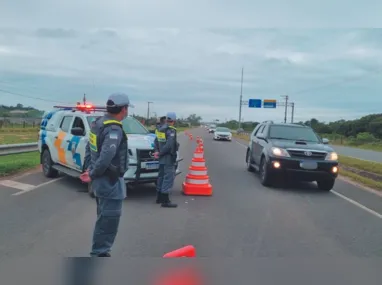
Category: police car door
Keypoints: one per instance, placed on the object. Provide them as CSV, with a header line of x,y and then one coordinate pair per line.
x,y
76,143
61,140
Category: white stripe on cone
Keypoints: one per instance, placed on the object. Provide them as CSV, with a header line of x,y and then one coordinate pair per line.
x,y
196,181
198,172
198,164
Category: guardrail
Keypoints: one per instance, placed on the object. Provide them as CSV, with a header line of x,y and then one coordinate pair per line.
x,y
8,149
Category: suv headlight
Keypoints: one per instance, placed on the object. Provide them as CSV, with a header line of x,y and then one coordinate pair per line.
x,y
276,151
332,156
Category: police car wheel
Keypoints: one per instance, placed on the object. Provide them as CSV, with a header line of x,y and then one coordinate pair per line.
x,y
47,164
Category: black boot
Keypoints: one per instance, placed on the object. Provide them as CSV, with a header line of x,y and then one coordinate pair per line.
x,y
166,203
159,198
106,254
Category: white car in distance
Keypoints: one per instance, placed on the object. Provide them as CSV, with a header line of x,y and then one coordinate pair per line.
x,y
222,133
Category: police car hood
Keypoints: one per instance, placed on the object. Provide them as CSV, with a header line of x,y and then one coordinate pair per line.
x,y
140,141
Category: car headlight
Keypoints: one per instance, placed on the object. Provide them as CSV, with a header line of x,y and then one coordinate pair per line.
x,y
276,151
332,156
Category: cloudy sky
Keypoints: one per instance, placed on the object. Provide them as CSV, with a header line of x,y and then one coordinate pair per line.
x,y
52,52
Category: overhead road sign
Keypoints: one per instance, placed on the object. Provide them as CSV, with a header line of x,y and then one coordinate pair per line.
x,y
254,103
269,103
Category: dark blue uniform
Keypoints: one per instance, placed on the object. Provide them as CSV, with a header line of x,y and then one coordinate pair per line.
x,y
109,160
168,147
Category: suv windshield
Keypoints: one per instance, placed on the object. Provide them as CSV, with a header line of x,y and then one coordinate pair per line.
x,y
293,133
224,130
130,125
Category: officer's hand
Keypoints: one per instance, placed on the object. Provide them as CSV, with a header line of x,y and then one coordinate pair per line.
x,y
156,155
85,177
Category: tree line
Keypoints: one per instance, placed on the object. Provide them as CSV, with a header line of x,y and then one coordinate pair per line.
x,y
367,129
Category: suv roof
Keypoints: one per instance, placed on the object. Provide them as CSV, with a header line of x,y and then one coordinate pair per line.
x,y
285,124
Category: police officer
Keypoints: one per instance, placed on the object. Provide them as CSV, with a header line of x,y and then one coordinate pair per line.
x,y
109,160
158,133
167,148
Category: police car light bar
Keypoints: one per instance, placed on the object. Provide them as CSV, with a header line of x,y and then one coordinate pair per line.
x,y
82,107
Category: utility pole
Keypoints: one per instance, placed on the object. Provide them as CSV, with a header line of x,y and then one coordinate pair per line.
x,y
241,95
292,113
148,111
286,107
84,99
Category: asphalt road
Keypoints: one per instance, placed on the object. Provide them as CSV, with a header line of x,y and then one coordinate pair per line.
x,y
359,153
242,223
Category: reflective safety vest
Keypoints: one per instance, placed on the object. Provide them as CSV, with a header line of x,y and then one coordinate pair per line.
x,y
94,139
161,136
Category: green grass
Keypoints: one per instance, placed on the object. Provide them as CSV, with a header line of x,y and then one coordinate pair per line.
x,y
18,137
368,146
369,166
11,164
362,180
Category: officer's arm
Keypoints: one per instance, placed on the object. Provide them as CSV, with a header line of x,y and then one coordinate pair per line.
x,y
112,137
87,158
170,142
156,144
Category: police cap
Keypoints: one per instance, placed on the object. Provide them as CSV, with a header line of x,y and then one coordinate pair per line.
x,y
118,100
171,116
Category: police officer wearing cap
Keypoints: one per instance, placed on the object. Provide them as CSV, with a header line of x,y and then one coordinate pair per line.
x,y
161,122
109,160
167,150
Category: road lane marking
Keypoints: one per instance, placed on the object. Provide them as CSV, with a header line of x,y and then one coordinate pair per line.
x,y
345,197
37,186
378,215
17,185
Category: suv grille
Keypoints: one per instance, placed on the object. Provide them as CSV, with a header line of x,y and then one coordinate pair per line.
x,y
144,155
303,154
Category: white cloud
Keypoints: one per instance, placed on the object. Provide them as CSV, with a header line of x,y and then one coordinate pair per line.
x,y
181,69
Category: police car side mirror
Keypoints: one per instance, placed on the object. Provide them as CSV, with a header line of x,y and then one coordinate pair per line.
x,y
78,132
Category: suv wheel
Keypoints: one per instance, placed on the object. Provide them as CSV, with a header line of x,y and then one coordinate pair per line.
x,y
326,185
265,177
248,160
47,164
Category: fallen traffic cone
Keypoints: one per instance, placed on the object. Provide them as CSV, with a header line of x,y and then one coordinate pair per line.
x,y
197,180
186,251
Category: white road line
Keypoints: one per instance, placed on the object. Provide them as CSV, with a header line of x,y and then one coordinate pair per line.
x,y
240,143
357,204
16,185
36,187
345,198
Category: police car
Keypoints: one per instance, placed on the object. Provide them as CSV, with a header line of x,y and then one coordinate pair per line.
x,y
64,134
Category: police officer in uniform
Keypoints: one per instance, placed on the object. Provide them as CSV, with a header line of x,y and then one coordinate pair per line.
x,y
109,160
167,148
160,124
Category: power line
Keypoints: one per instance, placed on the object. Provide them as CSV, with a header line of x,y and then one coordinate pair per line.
x,y
31,97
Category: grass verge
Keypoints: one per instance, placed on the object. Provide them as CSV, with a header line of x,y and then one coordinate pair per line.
x,y
362,180
369,146
17,137
14,163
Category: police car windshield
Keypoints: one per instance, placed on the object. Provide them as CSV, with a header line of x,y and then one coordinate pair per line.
x,y
133,126
130,125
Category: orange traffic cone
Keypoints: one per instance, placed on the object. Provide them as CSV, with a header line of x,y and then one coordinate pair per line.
x,y
190,136
186,251
197,180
